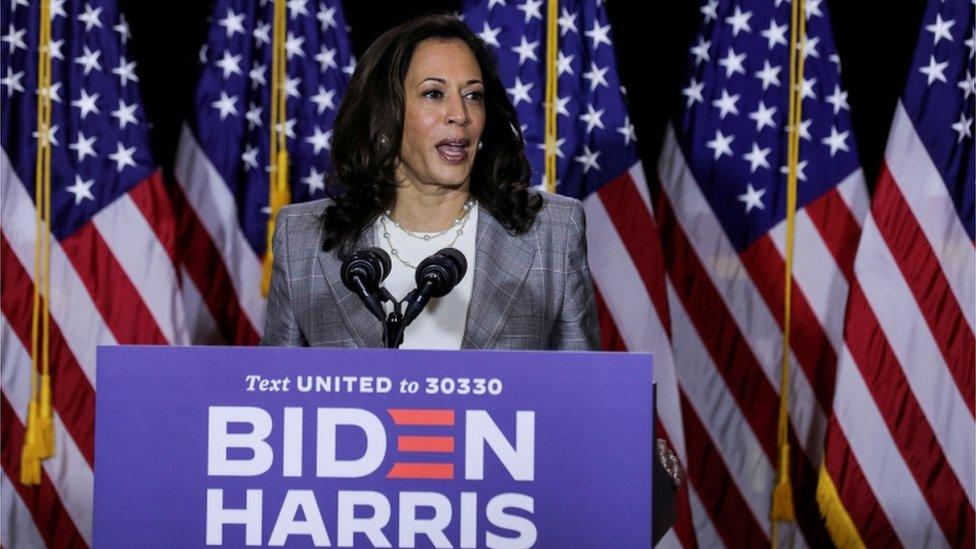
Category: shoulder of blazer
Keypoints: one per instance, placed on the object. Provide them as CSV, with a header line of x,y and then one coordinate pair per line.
x,y
560,215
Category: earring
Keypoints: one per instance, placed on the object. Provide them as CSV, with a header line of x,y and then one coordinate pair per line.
x,y
481,145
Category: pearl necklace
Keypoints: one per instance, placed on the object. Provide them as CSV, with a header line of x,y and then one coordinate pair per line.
x,y
459,222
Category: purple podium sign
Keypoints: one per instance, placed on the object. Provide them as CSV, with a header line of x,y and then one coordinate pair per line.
x,y
246,446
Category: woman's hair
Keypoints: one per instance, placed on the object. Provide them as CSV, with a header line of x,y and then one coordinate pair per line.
x,y
369,126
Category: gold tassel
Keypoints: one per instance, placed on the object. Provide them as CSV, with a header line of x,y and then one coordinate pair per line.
x,y
45,423
280,197
782,508
840,526
30,460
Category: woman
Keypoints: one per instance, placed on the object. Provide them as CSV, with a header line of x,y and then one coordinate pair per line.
x,y
428,154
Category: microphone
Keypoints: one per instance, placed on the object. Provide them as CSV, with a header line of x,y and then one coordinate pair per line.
x,y
362,273
436,276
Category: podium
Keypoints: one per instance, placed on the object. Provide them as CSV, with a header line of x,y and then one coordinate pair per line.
x,y
260,446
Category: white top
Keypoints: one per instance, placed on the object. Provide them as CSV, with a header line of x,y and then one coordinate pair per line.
x,y
441,324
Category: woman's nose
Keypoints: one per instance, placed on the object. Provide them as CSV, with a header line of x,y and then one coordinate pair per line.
x,y
457,113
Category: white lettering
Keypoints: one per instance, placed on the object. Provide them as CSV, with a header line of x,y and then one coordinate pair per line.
x,y
218,516
328,464
372,526
518,460
219,441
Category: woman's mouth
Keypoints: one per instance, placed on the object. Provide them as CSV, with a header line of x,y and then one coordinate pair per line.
x,y
453,151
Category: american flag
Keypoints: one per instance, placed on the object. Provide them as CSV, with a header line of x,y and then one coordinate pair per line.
x,y
900,444
222,165
596,162
722,177
112,270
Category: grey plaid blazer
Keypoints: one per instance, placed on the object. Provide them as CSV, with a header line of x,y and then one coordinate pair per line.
x,y
531,291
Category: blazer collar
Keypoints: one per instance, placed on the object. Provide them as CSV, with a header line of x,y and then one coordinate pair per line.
x,y
502,263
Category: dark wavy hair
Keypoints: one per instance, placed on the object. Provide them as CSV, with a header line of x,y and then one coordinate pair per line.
x,y
369,126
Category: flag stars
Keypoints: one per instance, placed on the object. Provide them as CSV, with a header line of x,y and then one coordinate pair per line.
x,y
12,81
769,75
14,38
227,105
230,64
775,34
804,130
967,85
91,18
588,159
531,9
56,7
940,29
297,8
55,48
320,140
262,33
49,137
694,92
556,148
757,157
837,141
721,144
934,71
86,103
627,130
520,92
813,8
291,86
739,21
700,50
126,114
250,158
733,63
123,157
122,27
253,116
810,47
564,63
326,17
83,146
838,99
326,58
233,23
293,45
752,198
596,76
526,50
593,118
288,128
490,35
126,71
315,180
806,88
963,127
81,189
971,44
324,99
726,104
256,74
567,22
599,35
89,60
800,166
710,10
51,91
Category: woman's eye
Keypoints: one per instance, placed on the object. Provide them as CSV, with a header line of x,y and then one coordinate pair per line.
x,y
475,96
433,94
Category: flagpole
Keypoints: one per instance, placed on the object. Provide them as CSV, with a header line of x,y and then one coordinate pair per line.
x,y
552,95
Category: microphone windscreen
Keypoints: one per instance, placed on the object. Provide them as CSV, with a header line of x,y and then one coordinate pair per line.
x,y
457,257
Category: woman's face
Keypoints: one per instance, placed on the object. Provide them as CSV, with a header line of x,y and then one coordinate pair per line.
x,y
444,115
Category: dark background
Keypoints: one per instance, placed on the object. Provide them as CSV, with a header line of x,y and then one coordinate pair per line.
x,y
875,41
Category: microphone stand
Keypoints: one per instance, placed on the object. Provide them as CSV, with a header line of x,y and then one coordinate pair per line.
x,y
393,323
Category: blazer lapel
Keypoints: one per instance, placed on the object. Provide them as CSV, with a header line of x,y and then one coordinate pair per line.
x,y
502,263
365,329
